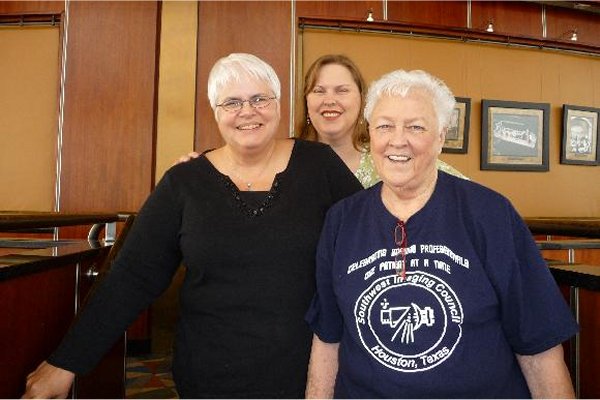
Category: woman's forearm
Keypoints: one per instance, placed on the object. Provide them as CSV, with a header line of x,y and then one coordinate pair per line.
x,y
322,369
547,374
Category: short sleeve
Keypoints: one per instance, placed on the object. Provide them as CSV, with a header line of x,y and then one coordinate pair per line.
x,y
324,316
535,316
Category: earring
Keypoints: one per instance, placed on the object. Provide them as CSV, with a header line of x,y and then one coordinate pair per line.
x,y
307,120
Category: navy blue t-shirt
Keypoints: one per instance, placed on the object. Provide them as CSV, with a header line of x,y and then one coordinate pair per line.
x,y
476,292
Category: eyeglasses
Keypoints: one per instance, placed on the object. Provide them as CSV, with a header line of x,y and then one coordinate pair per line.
x,y
401,241
257,102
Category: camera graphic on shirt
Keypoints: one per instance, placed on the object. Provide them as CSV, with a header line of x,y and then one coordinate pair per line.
x,y
406,320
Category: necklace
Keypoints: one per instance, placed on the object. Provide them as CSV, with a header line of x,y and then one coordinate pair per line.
x,y
249,183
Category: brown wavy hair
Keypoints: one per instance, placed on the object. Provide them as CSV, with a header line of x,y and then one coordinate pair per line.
x,y
305,130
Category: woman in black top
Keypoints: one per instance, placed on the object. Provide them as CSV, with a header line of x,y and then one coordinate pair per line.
x,y
244,219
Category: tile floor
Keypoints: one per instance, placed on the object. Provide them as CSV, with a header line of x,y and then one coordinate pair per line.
x,y
149,377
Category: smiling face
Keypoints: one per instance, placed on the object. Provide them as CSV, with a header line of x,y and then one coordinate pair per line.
x,y
406,140
334,104
249,129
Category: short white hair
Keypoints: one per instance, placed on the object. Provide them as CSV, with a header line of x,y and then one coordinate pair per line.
x,y
233,68
400,82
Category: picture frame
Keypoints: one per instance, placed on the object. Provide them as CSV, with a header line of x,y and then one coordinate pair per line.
x,y
457,136
580,144
514,135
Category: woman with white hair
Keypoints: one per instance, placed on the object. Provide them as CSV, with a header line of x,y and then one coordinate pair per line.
x,y
428,285
245,220
334,96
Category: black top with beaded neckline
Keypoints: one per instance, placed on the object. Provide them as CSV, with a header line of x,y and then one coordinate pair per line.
x,y
250,203
248,280
247,204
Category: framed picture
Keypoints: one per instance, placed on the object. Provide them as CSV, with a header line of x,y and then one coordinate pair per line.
x,y
580,136
457,137
514,135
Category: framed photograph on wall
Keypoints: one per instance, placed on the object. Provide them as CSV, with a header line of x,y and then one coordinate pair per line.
x,y
514,135
457,137
580,136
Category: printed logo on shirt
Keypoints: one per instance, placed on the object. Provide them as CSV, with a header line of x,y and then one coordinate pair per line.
x,y
411,325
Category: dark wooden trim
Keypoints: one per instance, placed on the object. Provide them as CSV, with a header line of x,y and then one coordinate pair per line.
x,y
23,220
577,275
578,227
156,94
30,19
443,32
567,244
53,256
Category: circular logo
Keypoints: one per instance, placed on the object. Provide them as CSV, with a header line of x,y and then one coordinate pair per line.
x,y
409,325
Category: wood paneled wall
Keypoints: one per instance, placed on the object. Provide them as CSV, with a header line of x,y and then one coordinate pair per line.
x,y
561,22
109,130
110,101
260,28
514,17
110,112
446,13
342,9
111,85
110,98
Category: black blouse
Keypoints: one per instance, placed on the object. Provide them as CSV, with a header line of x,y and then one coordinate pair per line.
x,y
250,268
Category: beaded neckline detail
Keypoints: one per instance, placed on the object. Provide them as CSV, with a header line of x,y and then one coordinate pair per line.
x,y
242,205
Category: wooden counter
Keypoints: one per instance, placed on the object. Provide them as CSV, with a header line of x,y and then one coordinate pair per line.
x,y
43,284
15,220
569,244
572,249
583,282
16,260
577,275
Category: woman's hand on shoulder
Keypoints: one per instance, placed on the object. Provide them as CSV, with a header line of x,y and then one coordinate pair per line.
x,y
187,157
48,382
